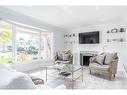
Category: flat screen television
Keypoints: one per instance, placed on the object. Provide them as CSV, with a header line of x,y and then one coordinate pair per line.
x,y
89,37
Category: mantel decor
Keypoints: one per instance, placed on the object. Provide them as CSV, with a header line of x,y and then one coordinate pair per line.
x,y
70,35
117,40
116,30
122,29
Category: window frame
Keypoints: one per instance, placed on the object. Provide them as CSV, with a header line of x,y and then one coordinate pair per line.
x,y
14,49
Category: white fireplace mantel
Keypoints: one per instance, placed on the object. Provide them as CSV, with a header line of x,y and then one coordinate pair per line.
x,y
89,53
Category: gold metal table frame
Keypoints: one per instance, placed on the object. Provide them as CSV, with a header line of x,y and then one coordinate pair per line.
x,y
73,79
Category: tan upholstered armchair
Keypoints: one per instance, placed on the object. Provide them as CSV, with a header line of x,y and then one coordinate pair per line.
x,y
64,57
107,66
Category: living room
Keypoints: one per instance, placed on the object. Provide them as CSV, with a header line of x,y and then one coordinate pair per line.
x,y
36,41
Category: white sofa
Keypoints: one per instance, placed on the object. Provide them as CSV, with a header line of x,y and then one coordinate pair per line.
x,y
11,79
29,66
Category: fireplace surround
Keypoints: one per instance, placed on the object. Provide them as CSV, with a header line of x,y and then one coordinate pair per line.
x,y
85,56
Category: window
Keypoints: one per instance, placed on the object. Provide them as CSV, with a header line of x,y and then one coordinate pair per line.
x,y
5,42
19,44
27,44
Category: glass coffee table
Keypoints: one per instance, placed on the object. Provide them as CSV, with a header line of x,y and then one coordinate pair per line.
x,y
65,71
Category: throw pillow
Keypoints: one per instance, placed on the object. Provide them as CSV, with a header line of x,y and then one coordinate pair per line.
x,y
109,57
100,59
65,57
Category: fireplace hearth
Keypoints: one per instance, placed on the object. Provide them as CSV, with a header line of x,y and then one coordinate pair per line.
x,y
85,56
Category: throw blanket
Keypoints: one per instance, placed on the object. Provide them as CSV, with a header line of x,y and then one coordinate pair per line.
x,y
10,79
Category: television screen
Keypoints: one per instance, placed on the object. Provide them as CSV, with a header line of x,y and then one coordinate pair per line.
x,y
89,37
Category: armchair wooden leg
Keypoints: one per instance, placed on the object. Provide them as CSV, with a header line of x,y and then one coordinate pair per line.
x,y
90,71
110,77
114,75
110,74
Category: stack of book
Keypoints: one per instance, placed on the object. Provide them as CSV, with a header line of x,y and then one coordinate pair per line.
x,y
64,74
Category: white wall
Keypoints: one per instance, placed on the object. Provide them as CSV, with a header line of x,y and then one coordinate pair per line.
x,y
125,52
119,47
58,41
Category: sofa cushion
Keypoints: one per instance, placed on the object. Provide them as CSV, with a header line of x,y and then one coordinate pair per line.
x,y
65,57
95,66
6,66
100,59
26,66
109,57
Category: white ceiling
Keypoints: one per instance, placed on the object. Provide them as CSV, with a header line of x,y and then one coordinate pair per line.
x,y
69,17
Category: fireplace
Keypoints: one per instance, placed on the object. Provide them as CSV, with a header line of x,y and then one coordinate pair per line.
x,y
86,60
85,56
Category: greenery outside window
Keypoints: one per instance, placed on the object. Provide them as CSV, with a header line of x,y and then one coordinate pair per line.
x,y
5,42
30,44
